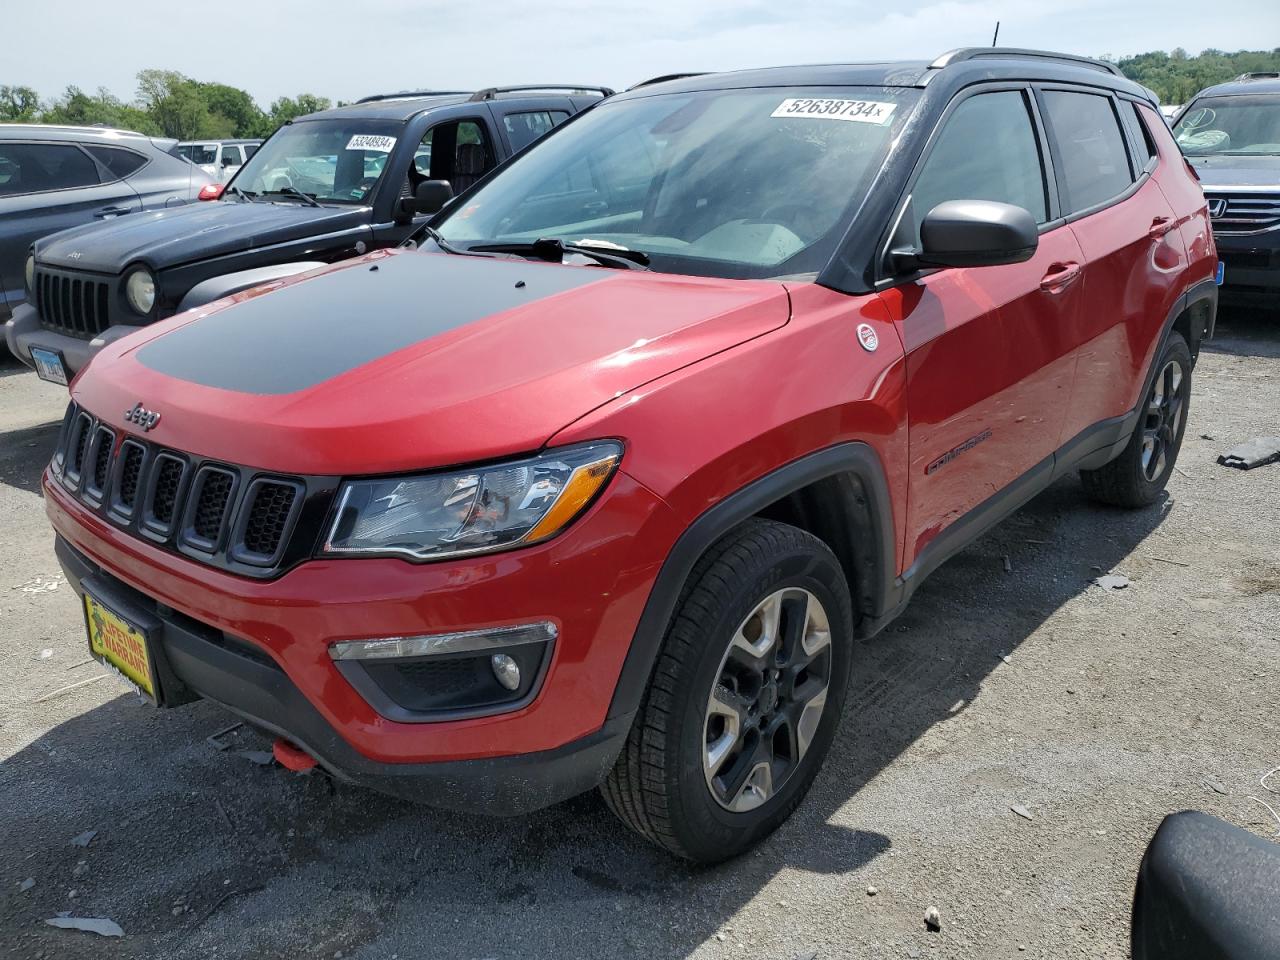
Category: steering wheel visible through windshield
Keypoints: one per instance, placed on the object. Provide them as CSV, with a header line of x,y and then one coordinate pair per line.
x,y
1242,125
331,161
730,183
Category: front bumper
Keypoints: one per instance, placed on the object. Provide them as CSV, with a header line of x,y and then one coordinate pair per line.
x,y
1252,268
196,660
22,331
261,647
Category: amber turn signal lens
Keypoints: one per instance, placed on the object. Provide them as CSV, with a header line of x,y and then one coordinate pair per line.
x,y
578,492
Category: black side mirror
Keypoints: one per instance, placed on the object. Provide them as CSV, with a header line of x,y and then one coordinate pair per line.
x,y
228,161
1206,891
973,233
429,197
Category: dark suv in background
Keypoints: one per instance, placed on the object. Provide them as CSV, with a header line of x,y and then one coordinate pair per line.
x,y
52,178
322,188
1230,134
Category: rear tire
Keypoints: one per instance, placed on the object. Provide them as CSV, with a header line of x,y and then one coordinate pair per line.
x,y
1139,474
745,696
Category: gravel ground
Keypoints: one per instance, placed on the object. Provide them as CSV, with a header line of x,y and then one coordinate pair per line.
x,y
1004,684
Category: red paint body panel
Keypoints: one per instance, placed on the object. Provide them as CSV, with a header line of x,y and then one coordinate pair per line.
x,y
696,436
1131,282
1186,198
989,355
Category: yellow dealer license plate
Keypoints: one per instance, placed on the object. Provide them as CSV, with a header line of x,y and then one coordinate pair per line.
x,y
119,644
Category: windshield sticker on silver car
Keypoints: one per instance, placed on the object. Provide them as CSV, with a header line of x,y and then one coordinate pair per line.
x,y
371,141
858,111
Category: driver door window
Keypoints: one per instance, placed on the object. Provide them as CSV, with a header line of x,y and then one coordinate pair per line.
x,y
458,151
986,151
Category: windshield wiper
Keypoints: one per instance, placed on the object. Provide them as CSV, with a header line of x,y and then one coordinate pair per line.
x,y
243,195
440,241
292,192
553,249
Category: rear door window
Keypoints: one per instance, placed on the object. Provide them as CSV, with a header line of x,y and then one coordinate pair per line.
x,y
524,128
987,150
1091,161
119,162
40,167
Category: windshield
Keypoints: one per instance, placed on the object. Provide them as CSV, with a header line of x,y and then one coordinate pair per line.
x,y
333,161
1231,125
725,183
199,153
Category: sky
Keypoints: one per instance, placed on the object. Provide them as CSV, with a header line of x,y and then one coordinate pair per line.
x,y
343,50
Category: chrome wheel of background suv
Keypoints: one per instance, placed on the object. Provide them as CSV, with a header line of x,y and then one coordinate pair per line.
x,y
767,700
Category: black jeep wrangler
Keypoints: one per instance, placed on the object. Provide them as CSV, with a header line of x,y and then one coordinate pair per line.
x,y
324,187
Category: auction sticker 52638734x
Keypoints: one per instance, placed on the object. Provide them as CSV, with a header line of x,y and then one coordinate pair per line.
x,y
857,111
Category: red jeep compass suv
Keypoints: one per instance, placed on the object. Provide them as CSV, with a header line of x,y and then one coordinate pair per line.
x,y
599,485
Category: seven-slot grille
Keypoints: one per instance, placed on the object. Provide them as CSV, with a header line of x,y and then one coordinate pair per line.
x,y
1246,213
218,513
71,303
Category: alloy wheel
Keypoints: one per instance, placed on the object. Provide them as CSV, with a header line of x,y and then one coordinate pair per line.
x,y
1163,420
767,700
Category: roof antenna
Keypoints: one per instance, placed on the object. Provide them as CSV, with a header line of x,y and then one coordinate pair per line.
x,y
996,35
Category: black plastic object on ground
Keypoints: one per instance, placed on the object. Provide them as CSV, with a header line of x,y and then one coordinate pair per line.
x,y
1207,891
1255,453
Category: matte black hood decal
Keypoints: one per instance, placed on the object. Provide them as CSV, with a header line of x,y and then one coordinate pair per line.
x,y
198,231
310,332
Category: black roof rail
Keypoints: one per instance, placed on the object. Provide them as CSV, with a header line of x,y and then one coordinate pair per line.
x,y
1259,75
410,94
665,77
1018,53
489,93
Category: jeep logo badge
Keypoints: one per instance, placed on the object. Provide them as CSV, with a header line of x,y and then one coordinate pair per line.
x,y
867,337
1217,208
143,417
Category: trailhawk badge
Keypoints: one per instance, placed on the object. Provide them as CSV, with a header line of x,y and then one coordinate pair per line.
x,y
867,337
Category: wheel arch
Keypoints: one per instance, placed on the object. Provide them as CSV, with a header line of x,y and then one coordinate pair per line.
x,y
839,494
1195,316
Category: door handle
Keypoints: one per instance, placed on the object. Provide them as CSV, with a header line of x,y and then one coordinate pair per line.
x,y
1160,226
1060,276
112,212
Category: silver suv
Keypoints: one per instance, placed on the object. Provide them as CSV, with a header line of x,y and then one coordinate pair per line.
x,y
220,159
52,178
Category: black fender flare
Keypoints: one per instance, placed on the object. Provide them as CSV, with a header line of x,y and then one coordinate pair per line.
x,y
854,463
215,288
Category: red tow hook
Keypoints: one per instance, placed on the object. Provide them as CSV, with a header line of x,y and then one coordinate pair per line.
x,y
292,757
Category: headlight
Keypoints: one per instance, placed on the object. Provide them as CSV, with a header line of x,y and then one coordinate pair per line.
x,y
140,289
442,515
30,273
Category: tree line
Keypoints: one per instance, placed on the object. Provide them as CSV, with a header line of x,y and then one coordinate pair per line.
x,y
1177,76
168,104
173,105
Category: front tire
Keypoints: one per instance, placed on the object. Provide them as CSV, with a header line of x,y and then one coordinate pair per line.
x,y
1139,474
745,697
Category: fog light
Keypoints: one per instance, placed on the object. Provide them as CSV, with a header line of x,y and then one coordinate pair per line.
x,y
506,670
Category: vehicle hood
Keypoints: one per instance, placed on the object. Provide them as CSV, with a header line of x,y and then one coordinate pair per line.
x,y
1228,172
404,360
197,231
